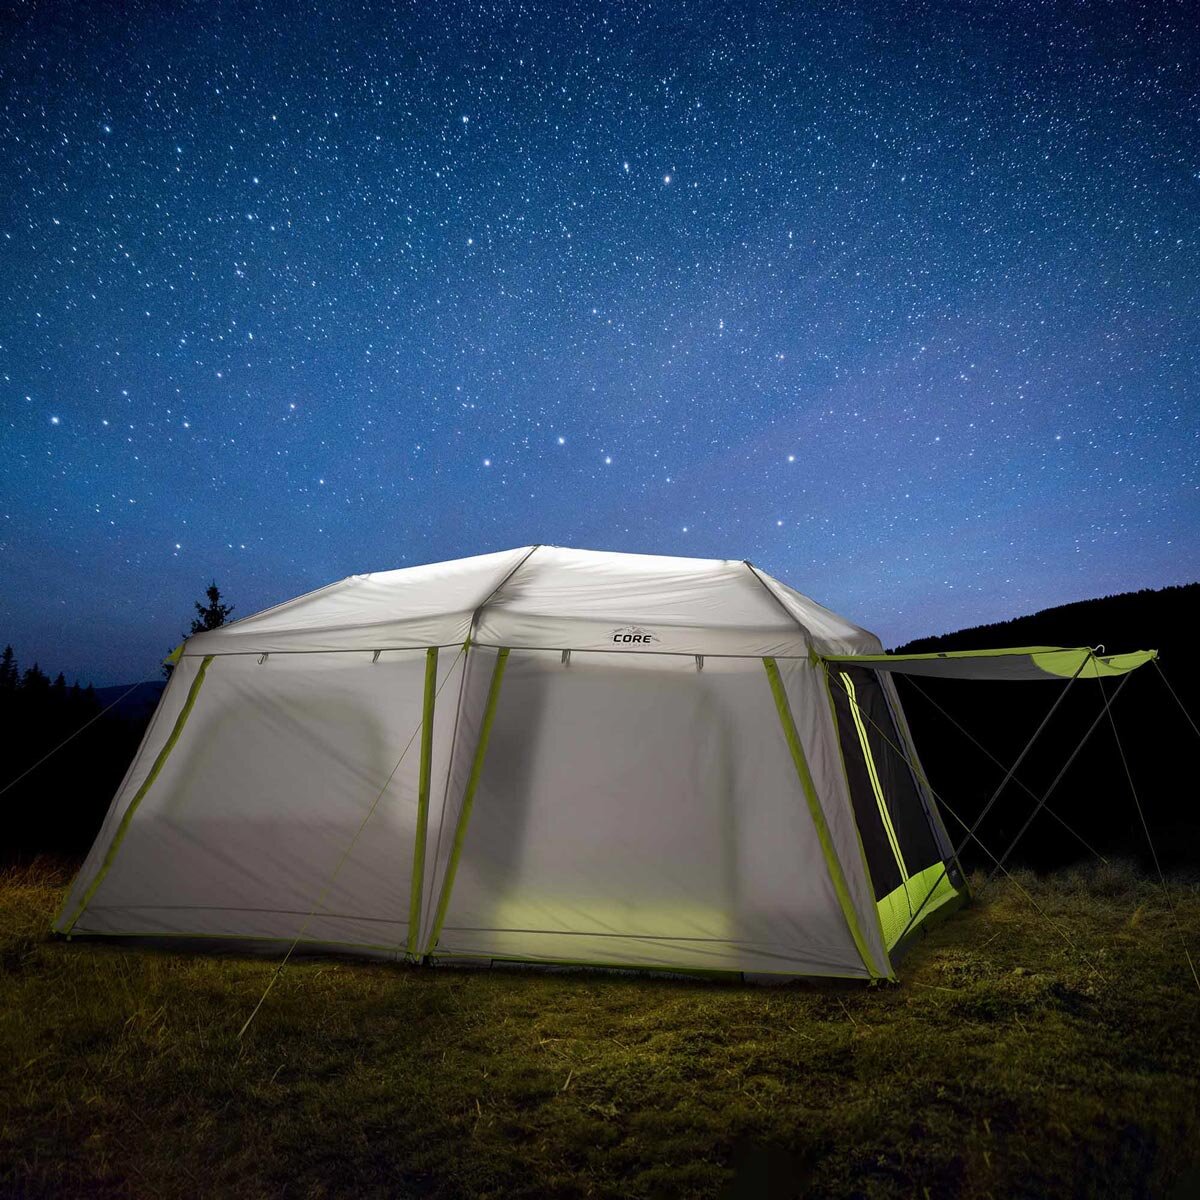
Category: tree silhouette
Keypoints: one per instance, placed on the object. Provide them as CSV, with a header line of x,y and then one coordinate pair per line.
x,y
35,682
10,677
212,615
208,616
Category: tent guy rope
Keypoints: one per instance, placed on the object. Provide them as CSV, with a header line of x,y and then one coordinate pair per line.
x,y
1107,702
70,738
912,682
1153,853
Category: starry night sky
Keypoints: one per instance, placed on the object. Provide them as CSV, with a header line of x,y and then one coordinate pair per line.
x,y
899,301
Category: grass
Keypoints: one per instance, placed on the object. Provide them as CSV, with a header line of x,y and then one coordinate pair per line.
x,y
1007,1063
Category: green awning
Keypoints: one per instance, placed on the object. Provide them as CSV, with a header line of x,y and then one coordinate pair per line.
x,y
1022,662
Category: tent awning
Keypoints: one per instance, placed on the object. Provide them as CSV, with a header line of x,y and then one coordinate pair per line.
x,y
1023,662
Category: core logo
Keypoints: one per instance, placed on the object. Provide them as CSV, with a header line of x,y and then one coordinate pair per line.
x,y
632,634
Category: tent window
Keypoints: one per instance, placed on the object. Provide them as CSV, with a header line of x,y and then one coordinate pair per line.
x,y
873,773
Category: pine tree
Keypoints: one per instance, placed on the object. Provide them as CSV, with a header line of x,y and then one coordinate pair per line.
x,y
212,615
35,681
10,676
208,616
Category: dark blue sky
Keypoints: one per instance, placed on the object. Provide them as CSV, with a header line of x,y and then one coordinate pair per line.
x,y
899,301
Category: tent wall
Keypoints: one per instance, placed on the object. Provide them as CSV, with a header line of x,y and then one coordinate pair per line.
x,y
270,778
619,819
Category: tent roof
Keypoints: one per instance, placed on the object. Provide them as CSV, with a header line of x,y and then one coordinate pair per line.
x,y
551,597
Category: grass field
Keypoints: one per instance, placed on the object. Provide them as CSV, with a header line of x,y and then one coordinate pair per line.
x,y
1007,1063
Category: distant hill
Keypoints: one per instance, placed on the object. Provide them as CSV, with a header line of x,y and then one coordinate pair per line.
x,y
1161,619
1094,795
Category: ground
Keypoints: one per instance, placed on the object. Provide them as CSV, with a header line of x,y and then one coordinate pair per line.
x,y
1020,1055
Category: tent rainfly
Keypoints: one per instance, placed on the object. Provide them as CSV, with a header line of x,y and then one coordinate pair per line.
x,y
542,755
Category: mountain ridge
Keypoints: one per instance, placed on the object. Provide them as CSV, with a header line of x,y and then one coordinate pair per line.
x,y
1147,619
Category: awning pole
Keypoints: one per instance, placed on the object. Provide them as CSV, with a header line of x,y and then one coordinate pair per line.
x,y
1021,757
910,681
1057,780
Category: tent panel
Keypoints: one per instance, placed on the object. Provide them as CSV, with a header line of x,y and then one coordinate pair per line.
x,y
251,815
828,631
590,585
638,810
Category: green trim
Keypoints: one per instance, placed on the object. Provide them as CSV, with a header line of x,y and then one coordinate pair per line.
x,y
147,783
873,773
464,816
1056,661
862,850
818,816
418,869
173,658
897,907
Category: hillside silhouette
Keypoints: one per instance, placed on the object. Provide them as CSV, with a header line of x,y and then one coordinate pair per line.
x,y
1094,796
1152,618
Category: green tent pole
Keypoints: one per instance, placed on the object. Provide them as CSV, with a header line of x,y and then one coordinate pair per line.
x,y
464,815
418,870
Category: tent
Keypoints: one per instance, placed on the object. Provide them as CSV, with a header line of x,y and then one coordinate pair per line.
x,y
544,755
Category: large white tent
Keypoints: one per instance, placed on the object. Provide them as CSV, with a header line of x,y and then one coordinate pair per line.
x,y
544,754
